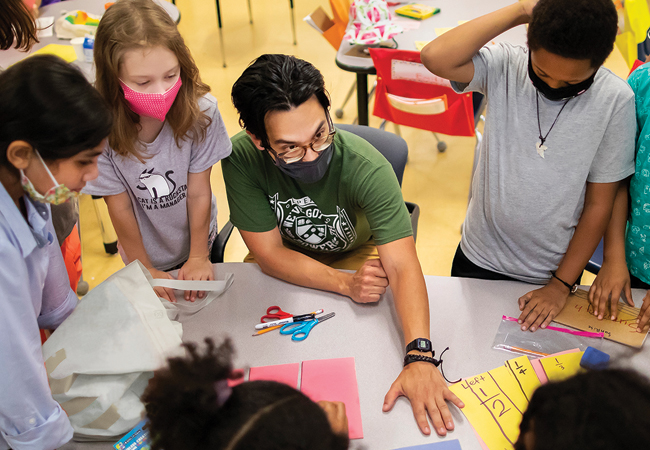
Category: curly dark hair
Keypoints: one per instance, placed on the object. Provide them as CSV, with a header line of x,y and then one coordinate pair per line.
x,y
275,83
599,410
184,413
576,29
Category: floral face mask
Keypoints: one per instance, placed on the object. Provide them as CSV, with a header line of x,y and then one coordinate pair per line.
x,y
55,195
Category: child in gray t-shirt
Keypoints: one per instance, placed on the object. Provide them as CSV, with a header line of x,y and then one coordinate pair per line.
x,y
558,140
168,133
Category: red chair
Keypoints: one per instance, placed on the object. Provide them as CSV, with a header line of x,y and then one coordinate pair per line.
x,y
408,94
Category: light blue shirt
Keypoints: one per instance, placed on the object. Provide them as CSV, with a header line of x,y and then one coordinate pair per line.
x,y
34,293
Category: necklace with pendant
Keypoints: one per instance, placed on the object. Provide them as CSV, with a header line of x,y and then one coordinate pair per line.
x,y
540,144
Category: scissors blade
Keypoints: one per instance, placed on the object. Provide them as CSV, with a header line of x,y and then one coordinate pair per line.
x,y
325,317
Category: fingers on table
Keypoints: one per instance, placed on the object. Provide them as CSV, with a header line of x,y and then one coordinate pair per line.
x,y
644,313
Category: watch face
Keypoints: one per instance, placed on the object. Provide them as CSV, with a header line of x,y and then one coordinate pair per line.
x,y
423,344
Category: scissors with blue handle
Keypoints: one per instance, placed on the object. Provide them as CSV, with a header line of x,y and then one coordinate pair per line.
x,y
300,330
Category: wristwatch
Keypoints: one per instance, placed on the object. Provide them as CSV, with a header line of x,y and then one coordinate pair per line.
x,y
420,344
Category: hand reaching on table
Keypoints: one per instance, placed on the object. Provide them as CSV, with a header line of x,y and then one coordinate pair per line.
x,y
539,307
644,314
368,283
199,269
613,280
166,293
426,389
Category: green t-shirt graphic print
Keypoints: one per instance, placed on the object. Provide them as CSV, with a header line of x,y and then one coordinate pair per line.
x,y
358,198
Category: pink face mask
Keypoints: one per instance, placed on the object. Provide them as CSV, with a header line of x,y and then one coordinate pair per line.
x,y
151,104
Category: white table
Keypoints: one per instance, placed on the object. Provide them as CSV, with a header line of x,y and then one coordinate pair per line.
x,y
12,56
465,315
451,11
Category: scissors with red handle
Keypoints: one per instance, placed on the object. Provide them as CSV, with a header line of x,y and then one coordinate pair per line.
x,y
275,313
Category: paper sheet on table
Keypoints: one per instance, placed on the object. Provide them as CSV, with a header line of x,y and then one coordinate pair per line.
x,y
444,445
421,44
441,31
282,373
496,400
62,51
45,26
539,369
561,367
578,313
334,380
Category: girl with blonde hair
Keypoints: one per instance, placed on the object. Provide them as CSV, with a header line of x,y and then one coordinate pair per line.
x,y
167,135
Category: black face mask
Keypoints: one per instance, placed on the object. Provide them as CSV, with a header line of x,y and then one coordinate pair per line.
x,y
308,171
558,93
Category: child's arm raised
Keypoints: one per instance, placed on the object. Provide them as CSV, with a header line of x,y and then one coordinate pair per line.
x,y
128,234
540,306
450,55
613,278
199,202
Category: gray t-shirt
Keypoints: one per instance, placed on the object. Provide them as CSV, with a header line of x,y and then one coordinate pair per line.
x,y
158,188
524,208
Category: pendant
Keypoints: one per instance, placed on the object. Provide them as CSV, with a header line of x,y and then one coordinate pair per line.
x,y
540,149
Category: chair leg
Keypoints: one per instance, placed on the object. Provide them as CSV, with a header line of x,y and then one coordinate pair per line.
x,y
339,112
293,22
250,13
223,51
442,145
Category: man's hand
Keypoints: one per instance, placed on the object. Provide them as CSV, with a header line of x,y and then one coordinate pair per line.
x,y
368,283
196,268
335,412
166,293
613,280
644,314
539,307
426,389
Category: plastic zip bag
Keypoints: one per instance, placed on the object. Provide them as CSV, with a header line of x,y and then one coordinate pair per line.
x,y
544,341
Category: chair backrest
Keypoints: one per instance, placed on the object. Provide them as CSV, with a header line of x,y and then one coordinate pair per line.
x,y
408,94
394,148
340,11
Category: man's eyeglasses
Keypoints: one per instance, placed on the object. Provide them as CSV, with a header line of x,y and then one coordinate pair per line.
x,y
296,153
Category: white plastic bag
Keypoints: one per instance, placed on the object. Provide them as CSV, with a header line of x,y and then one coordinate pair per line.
x,y
101,358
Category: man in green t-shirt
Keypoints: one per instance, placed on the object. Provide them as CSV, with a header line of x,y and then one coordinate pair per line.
x,y
303,193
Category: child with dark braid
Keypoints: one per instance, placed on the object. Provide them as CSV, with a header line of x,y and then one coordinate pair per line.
x,y
190,406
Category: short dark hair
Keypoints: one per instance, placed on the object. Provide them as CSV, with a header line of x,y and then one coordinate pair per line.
x,y
576,29
183,411
16,25
49,104
599,410
275,83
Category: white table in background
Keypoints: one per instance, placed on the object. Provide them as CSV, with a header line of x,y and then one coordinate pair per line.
x,y
465,315
12,56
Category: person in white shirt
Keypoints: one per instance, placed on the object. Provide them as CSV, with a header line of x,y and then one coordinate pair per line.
x,y
53,127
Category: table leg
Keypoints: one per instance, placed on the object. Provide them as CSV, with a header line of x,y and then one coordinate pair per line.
x,y
362,98
293,22
223,50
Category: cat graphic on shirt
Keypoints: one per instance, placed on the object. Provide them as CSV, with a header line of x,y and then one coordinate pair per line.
x,y
157,184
